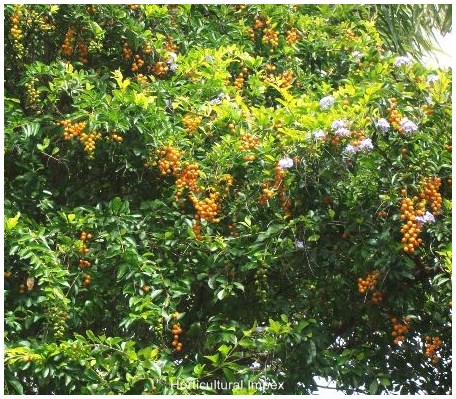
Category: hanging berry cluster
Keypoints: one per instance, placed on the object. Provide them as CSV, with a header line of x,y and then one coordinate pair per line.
x,y
432,345
88,140
191,123
370,283
137,63
280,187
84,237
170,46
32,93
16,32
187,178
266,194
350,35
411,228
249,142
170,160
68,42
71,129
239,80
430,193
83,51
86,280
160,69
358,136
394,115
176,332
292,36
400,330
207,207
126,51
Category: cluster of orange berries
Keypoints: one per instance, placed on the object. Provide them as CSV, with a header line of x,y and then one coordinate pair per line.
x,y
22,288
411,227
382,214
400,329
133,7
170,46
7,273
257,25
266,194
176,331
370,283
170,161
137,63
358,137
67,46
187,178
249,141
141,79
350,35
16,31
270,36
284,79
208,207
239,80
84,238
32,93
277,186
116,137
191,122
160,69
15,20
126,50
394,115
377,297
84,264
430,193
83,51
292,36
447,147
88,140
71,129
232,229
147,49
86,280
432,344
228,179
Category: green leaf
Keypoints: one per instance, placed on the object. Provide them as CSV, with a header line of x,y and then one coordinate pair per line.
x,y
313,238
373,387
213,358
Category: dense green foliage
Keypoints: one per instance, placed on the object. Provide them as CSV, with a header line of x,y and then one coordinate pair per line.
x,y
212,193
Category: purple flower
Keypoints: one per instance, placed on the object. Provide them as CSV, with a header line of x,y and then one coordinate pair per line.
x,y
428,217
299,244
432,78
327,102
338,124
382,125
408,126
366,145
209,58
342,132
403,60
319,134
350,149
173,67
286,163
357,55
